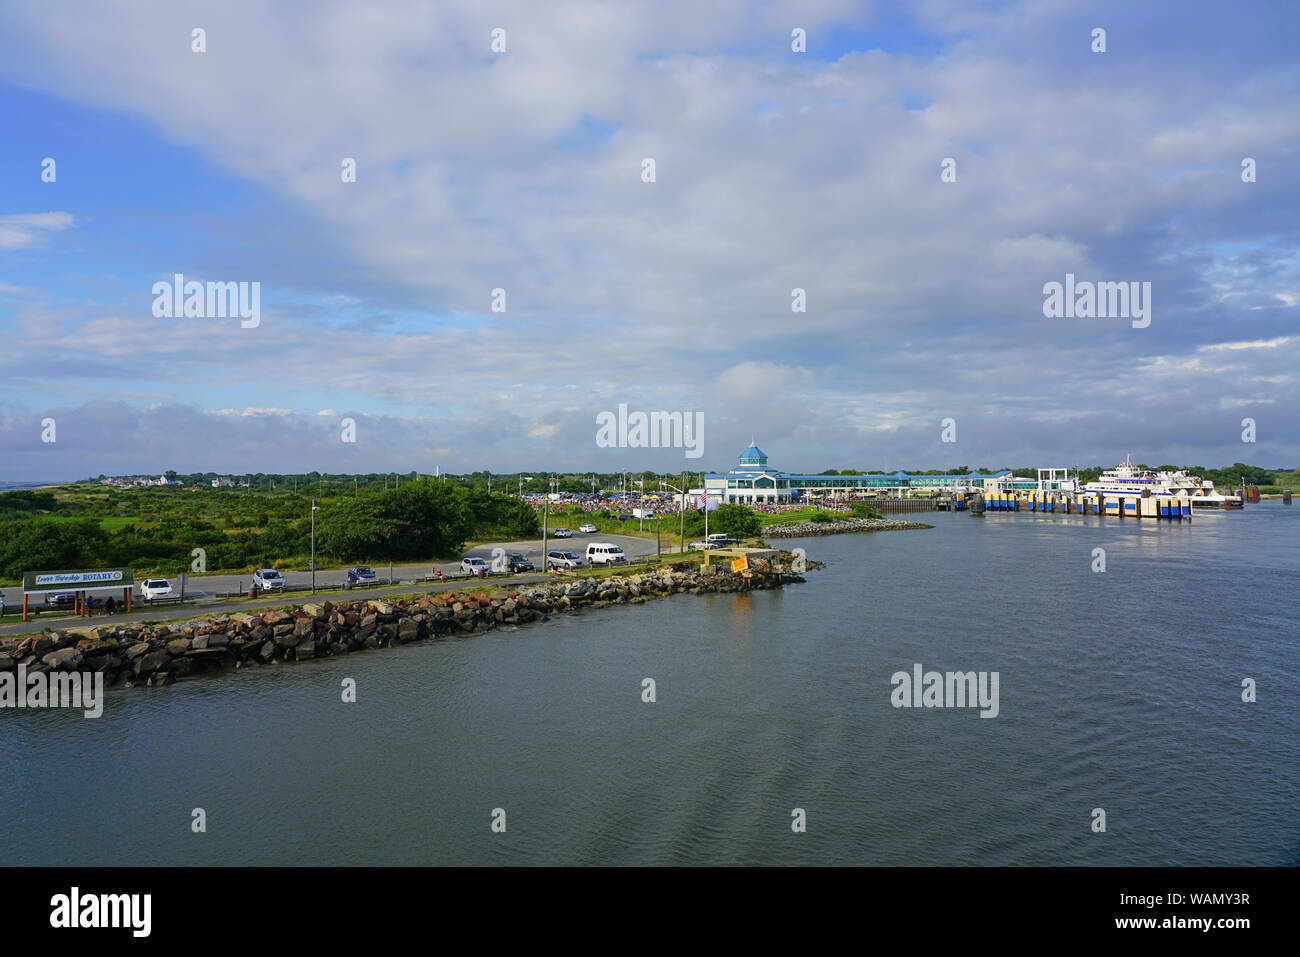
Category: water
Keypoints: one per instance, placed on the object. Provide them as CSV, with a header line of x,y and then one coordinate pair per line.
x,y
1119,690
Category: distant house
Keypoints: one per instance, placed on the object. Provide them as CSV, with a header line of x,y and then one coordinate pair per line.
x,y
224,481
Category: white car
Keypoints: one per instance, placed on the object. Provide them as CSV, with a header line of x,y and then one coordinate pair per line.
x,y
562,560
605,553
702,546
586,529
152,588
561,533
268,579
475,566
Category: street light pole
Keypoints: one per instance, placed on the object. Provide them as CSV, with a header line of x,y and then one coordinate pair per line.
x,y
314,507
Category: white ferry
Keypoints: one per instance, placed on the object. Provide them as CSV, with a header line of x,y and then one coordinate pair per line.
x,y
1129,479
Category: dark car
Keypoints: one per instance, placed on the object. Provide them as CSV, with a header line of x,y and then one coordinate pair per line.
x,y
360,573
60,597
516,562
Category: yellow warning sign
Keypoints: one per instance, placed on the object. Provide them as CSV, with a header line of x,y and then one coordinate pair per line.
x,y
740,564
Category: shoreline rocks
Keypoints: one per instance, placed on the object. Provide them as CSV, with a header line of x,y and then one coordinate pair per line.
x,y
801,529
143,653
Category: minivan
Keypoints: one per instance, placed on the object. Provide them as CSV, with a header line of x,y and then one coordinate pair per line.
x,y
603,553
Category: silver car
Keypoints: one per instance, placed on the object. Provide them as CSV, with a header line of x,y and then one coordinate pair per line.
x,y
268,579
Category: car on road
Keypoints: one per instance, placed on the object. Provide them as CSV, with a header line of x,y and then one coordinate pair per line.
x,y
562,560
723,539
587,529
268,579
561,533
152,588
518,562
605,553
360,573
60,597
475,566
702,545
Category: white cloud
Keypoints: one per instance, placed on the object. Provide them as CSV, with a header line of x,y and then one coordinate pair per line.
x,y
20,230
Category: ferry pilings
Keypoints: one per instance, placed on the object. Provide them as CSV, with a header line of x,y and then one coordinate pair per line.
x,y
1166,507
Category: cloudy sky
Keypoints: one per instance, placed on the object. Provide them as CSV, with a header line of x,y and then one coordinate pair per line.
x,y
522,170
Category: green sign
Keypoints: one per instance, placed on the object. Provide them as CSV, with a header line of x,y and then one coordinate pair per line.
x,y
35,583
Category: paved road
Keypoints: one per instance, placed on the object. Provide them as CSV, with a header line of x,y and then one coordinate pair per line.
x,y
202,589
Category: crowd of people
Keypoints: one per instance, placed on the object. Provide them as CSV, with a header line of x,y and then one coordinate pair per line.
x,y
667,504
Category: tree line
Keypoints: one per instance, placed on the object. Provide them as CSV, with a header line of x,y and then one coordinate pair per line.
x,y
422,520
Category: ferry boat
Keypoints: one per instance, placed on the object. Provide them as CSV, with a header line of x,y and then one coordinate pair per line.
x,y
1129,479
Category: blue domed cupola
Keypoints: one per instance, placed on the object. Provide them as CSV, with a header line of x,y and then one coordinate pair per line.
x,y
753,457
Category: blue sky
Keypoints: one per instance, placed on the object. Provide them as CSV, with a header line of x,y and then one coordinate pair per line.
x,y
521,171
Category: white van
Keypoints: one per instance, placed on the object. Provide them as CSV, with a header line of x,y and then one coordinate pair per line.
x,y
603,553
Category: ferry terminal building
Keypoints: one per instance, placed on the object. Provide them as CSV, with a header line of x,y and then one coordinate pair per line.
x,y
753,482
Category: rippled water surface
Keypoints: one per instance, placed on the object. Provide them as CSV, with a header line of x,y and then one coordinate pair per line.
x,y
1119,690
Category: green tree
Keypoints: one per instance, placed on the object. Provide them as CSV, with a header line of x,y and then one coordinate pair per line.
x,y
736,521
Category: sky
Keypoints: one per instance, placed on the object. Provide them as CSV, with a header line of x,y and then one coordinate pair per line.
x,y
922,343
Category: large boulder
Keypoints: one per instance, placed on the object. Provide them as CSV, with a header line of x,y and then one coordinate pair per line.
x,y
178,646
150,663
65,659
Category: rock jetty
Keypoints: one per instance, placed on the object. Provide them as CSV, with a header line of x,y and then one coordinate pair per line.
x,y
800,529
133,654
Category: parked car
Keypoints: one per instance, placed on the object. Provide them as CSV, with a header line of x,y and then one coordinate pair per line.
x,y
702,546
518,562
475,566
60,597
605,553
586,529
152,588
562,560
268,579
561,533
360,573
626,517
723,539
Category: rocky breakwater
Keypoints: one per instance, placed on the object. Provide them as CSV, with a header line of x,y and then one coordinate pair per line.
x,y
800,529
158,654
